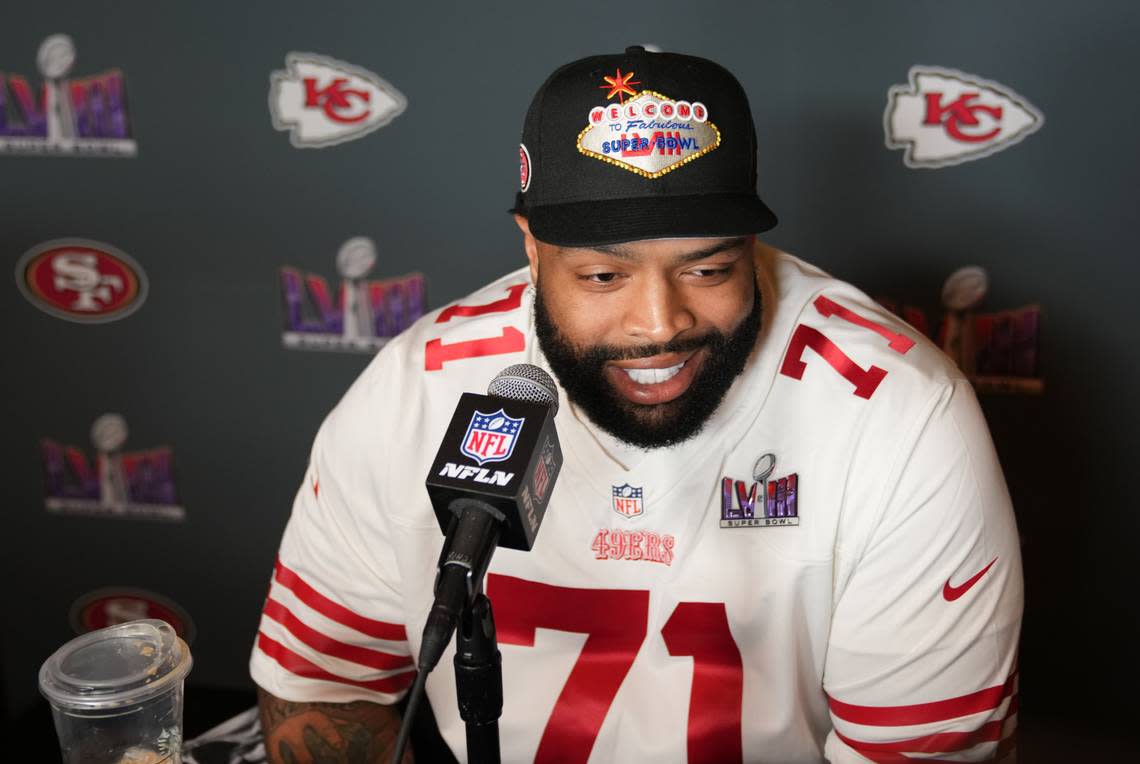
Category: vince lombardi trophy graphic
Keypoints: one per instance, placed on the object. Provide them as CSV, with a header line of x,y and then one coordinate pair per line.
x,y
55,58
763,468
963,291
355,259
109,433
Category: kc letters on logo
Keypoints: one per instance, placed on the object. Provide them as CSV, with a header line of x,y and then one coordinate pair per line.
x,y
944,117
491,437
323,102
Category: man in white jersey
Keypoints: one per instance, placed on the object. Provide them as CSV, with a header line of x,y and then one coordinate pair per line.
x,y
780,533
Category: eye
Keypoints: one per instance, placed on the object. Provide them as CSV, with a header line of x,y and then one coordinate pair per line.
x,y
599,278
710,272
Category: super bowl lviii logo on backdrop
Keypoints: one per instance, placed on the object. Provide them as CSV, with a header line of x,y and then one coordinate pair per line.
x,y
81,116
81,280
365,314
323,102
943,117
114,483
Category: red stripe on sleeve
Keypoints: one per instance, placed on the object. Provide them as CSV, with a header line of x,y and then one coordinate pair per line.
x,y
335,611
898,758
295,664
942,742
924,713
324,644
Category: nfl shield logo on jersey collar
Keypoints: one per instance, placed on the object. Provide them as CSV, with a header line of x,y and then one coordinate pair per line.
x,y
761,503
628,501
491,437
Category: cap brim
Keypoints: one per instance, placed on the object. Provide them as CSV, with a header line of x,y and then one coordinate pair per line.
x,y
584,224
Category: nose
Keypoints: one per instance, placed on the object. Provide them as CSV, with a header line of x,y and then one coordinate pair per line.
x,y
657,312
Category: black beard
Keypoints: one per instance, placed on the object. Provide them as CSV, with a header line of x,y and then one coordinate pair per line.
x,y
581,374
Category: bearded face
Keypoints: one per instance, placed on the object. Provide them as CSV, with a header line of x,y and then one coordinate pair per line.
x,y
647,337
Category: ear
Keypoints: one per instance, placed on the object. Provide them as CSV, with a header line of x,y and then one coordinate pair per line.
x,y
530,245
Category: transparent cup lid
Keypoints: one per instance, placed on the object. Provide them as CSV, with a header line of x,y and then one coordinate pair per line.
x,y
116,666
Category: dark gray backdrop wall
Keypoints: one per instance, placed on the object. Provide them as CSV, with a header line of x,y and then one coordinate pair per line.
x,y
217,201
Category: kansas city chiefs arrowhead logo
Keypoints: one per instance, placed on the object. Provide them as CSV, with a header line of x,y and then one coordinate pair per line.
x,y
323,102
943,117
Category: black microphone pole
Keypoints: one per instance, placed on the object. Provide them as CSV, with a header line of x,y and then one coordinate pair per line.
x,y
478,663
480,508
479,680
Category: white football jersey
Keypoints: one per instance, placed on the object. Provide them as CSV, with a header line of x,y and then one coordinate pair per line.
x,y
829,571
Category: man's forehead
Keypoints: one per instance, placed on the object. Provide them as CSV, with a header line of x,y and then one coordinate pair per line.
x,y
673,248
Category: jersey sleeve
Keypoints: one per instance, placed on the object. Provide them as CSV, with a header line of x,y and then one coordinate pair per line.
x,y
332,627
921,659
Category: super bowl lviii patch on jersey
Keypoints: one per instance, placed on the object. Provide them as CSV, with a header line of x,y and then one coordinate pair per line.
x,y
650,134
763,502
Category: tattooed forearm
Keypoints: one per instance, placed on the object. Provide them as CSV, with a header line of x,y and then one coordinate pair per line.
x,y
328,733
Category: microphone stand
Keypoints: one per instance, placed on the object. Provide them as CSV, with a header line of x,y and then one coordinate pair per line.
x,y
479,680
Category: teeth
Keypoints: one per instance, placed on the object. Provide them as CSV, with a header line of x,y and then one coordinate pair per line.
x,y
653,376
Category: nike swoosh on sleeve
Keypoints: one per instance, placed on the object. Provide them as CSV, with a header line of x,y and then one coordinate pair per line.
x,y
951,593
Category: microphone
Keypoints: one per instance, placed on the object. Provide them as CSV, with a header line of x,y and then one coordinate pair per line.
x,y
489,485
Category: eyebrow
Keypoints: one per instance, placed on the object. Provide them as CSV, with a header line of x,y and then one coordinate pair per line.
x,y
619,250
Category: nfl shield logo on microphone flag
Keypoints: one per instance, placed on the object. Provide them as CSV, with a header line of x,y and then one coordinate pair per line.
x,y
491,437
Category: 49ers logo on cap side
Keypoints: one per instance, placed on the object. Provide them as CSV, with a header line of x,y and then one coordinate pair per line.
x,y
81,280
323,102
524,168
650,134
944,117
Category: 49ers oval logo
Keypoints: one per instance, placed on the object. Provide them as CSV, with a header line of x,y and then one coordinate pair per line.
x,y
524,168
81,280
114,605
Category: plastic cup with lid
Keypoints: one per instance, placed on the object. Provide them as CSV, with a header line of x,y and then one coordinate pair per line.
x,y
116,694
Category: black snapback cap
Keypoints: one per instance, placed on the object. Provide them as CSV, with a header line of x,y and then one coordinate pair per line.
x,y
639,145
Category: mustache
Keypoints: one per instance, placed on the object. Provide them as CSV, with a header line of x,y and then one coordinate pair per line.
x,y
600,354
